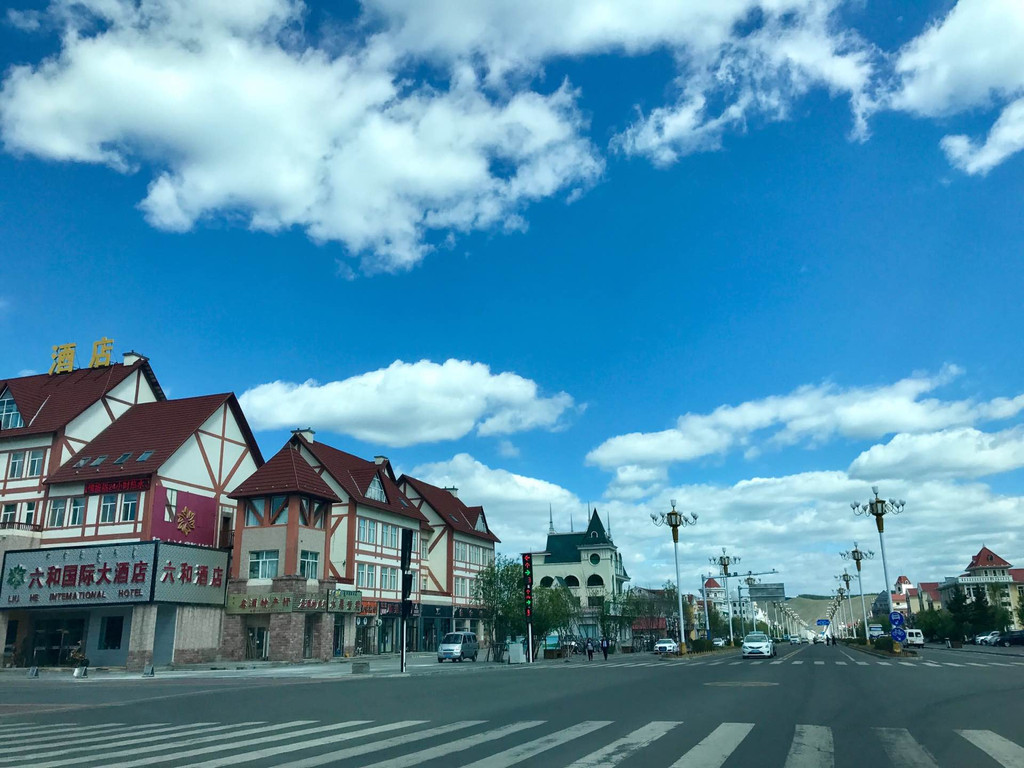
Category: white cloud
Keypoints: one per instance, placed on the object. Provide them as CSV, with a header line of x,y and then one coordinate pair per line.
x,y
239,116
507,449
973,58
963,452
811,414
409,403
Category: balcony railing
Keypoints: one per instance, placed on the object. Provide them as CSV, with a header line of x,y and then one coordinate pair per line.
x,y
10,525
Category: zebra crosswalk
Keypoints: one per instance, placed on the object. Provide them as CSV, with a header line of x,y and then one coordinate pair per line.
x,y
733,662
470,744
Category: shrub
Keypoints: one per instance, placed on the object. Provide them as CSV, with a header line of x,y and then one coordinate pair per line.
x,y
883,644
701,646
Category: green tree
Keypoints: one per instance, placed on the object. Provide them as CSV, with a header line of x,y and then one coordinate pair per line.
x,y
719,625
555,609
498,589
935,624
960,612
1020,613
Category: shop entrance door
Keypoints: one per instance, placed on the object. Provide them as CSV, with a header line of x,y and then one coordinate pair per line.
x,y
307,636
257,645
53,640
339,635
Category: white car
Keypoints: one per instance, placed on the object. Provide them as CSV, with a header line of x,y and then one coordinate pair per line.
x,y
757,645
666,645
719,642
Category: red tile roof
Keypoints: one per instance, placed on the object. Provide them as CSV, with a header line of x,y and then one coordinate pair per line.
x,y
712,584
355,474
451,509
931,588
47,403
1017,574
286,472
903,580
161,427
986,558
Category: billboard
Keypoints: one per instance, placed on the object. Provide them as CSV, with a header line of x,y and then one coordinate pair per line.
x,y
763,594
121,573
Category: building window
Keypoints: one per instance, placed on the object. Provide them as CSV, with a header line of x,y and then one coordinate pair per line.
x,y
461,586
309,564
144,455
389,535
424,547
254,512
367,531
10,418
461,551
17,468
388,578
423,584
376,491
30,512
366,576
10,514
108,508
263,564
129,506
278,510
111,630
35,463
57,507
572,581
123,458
596,581
77,510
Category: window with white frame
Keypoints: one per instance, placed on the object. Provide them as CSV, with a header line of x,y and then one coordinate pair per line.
x,y
35,463
461,551
129,507
108,507
57,508
389,535
376,490
9,514
461,586
10,418
424,547
388,577
366,576
423,583
77,511
309,564
476,555
16,469
263,564
254,511
170,505
30,512
367,531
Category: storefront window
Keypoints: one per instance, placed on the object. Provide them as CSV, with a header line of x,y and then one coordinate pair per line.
x,y
111,630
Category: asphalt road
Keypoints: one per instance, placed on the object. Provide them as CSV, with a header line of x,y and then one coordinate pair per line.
x,y
812,707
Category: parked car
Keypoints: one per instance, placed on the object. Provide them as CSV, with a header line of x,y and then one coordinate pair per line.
x,y
985,638
757,645
458,646
719,642
666,645
794,640
1013,637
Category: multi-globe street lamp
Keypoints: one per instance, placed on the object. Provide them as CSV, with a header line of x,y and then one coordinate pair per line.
x,y
857,555
724,561
846,579
676,520
879,508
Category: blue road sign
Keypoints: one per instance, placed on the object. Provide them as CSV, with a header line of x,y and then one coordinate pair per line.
x,y
822,622
896,619
899,634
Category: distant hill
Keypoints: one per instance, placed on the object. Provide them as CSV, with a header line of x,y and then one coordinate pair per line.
x,y
810,608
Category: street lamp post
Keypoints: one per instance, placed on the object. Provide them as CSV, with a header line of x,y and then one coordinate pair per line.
x,y
846,579
707,610
857,556
724,561
675,520
879,508
750,581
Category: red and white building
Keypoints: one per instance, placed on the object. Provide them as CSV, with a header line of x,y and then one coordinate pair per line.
x,y
95,464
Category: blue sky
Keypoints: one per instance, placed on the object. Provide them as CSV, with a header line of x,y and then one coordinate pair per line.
x,y
752,256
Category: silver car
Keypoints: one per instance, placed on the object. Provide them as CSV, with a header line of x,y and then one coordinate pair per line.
x,y
458,646
757,645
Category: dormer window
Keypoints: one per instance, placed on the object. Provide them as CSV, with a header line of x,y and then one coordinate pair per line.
x,y
10,417
376,491
123,458
98,460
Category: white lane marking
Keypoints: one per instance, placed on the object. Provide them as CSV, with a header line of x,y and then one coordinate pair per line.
x,y
1003,751
999,664
778,662
932,664
24,729
342,754
146,730
819,663
716,747
905,663
715,663
151,742
975,664
841,663
903,749
812,748
951,664
521,752
798,662
883,663
862,664
625,747
458,745
734,663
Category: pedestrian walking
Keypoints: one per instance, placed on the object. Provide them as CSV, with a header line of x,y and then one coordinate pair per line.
x,y
604,647
590,649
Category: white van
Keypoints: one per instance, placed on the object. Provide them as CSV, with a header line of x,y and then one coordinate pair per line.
x,y
458,646
915,638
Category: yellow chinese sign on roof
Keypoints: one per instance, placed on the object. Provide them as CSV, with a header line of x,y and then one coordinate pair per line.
x,y
64,356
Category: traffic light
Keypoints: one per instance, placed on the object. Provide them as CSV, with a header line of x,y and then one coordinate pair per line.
x,y
528,585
